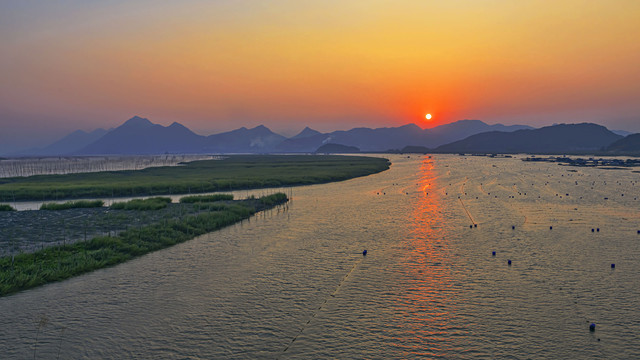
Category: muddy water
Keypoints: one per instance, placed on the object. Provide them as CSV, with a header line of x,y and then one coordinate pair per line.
x,y
294,284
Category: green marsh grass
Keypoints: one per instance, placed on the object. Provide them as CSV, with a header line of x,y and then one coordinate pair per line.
x,y
155,203
206,198
233,173
55,263
5,207
73,205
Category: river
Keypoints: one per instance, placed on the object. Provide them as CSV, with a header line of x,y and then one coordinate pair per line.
x,y
294,283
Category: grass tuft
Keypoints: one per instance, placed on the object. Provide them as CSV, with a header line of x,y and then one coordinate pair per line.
x,y
155,203
5,207
206,198
73,205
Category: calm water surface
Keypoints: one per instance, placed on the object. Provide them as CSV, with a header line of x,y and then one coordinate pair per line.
x,y
292,283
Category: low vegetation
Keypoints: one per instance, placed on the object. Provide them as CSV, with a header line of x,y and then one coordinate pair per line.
x,y
73,205
55,263
206,198
274,199
155,203
233,173
5,207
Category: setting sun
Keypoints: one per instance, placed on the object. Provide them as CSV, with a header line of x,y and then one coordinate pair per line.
x,y
428,116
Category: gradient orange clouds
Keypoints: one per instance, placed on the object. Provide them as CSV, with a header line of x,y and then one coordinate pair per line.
x,y
331,65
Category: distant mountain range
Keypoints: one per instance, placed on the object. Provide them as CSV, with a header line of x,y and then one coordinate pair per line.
x,y
139,136
383,139
556,139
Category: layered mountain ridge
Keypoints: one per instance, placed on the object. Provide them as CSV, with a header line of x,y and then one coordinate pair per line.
x,y
140,136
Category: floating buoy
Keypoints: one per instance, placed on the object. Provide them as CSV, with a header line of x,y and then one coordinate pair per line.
x,y
493,253
613,266
364,253
593,230
470,226
513,227
475,225
550,227
592,327
509,262
638,231
598,230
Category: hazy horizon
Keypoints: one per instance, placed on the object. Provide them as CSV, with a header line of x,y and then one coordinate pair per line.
x,y
335,65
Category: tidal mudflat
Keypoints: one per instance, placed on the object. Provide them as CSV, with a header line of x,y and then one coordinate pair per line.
x,y
294,283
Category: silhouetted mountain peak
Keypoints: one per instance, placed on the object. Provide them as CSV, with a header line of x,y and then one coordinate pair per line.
x,y
137,122
306,132
177,126
261,129
411,126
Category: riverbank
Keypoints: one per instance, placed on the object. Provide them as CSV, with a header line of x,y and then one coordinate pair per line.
x,y
178,223
236,172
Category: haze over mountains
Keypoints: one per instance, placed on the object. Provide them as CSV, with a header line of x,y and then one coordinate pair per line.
x,y
139,136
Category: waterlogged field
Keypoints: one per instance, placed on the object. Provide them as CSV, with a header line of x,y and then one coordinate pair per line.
x,y
294,284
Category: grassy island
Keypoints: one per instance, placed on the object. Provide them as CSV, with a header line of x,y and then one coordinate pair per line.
x,y
235,172
170,225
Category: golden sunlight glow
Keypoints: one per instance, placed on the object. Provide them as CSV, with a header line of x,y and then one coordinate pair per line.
x,y
428,116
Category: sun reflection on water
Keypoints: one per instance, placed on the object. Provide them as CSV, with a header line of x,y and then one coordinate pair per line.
x,y
425,308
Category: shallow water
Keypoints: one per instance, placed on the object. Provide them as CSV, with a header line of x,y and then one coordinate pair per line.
x,y
294,284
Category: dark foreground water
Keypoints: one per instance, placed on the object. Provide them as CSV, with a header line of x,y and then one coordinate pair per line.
x,y
294,284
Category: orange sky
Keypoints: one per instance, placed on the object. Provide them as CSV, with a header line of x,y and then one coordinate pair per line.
x,y
215,66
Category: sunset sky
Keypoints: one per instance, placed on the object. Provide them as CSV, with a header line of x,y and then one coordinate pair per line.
x,y
218,65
